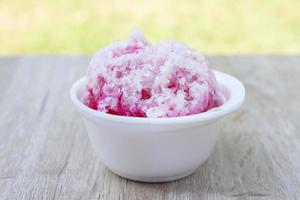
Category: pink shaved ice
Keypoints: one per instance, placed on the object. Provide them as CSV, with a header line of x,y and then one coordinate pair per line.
x,y
139,79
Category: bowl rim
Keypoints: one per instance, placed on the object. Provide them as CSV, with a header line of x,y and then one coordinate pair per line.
x,y
235,100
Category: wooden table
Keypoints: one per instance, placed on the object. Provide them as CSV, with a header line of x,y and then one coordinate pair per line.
x,y
45,152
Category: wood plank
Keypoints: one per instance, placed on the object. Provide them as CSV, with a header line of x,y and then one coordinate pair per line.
x,y
45,152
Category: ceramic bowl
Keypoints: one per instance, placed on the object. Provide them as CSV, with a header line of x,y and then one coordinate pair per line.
x,y
157,149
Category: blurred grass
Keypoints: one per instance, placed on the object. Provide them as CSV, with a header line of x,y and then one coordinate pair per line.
x,y
215,26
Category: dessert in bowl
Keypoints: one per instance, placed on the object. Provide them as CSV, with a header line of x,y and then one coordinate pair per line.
x,y
151,111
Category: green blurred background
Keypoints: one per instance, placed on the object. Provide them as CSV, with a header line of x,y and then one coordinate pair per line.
x,y
215,26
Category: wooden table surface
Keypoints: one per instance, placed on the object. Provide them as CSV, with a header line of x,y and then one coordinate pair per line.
x,y
45,152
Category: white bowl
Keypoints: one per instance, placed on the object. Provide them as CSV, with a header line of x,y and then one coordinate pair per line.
x,y
157,149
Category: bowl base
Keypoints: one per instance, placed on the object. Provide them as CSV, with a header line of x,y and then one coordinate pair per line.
x,y
154,179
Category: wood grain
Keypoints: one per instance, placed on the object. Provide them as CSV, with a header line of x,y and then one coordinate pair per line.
x,y
45,152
